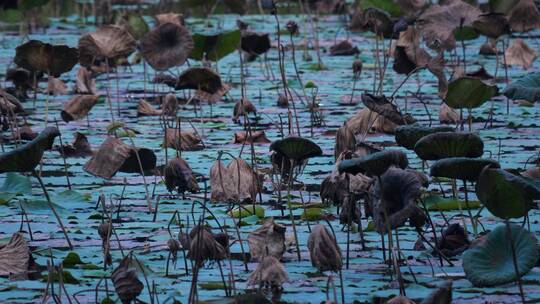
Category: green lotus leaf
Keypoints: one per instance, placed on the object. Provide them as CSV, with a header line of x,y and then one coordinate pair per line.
x,y
312,214
26,5
490,263
502,6
388,6
27,157
374,164
215,47
468,92
246,211
296,148
439,203
527,87
449,144
408,135
135,25
461,168
504,194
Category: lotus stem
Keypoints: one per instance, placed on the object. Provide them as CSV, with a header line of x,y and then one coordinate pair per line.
x,y
63,155
473,221
514,259
223,279
58,219
289,185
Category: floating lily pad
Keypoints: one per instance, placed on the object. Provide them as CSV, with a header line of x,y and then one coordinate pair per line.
x,y
246,211
527,87
439,203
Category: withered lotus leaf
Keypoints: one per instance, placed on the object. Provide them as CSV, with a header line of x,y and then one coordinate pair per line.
x,y
36,56
256,137
524,16
106,45
234,182
26,158
179,176
125,280
177,19
395,195
255,43
382,106
269,274
203,246
365,121
343,48
323,249
182,140
267,240
9,104
166,46
144,108
243,107
79,148
78,107
345,141
55,86
203,79
85,83
453,240
519,53
14,256
114,155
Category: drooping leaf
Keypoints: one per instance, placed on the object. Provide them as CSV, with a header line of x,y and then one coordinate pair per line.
x,y
408,135
215,47
449,144
374,164
462,168
504,194
490,263
296,148
468,92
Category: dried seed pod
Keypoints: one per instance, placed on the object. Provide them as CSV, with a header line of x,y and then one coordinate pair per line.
x,y
269,274
282,101
292,27
125,280
324,252
174,246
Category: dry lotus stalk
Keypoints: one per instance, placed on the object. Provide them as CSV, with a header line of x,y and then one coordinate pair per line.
x,y
114,155
144,108
182,140
56,87
241,108
447,115
519,53
269,274
257,137
78,107
365,118
323,249
79,148
438,22
234,182
524,16
85,83
15,256
177,19
125,280
203,246
267,240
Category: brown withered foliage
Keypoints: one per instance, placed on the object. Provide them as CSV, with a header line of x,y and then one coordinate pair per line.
x,y
235,181
323,249
125,280
267,240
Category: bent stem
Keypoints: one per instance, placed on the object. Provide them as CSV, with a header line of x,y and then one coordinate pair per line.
x,y
514,259
289,186
58,219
